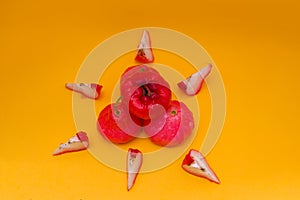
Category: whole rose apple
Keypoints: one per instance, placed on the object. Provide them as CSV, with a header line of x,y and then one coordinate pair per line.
x,y
142,87
116,124
173,127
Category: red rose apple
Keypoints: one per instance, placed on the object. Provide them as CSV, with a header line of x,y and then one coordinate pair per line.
x,y
173,127
133,166
192,85
116,124
144,53
90,90
78,142
143,87
195,164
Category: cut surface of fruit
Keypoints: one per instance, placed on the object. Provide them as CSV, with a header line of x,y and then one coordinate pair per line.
x,y
134,163
192,85
76,143
195,164
144,53
90,90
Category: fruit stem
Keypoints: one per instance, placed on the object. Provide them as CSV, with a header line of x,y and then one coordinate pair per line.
x,y
146,90
116,105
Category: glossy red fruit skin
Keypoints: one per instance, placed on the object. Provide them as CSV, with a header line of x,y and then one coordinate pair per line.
x,y
98,89
141,58
82,136
173,127
142,87
116,124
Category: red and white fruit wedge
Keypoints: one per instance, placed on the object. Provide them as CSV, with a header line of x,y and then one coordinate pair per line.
x,y
144,53
76,143
195,164
134,163
192,85
89,90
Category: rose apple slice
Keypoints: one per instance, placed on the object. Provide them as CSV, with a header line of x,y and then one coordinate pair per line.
x,y
144,53
192,85
134,163
195,164
91,91
76,143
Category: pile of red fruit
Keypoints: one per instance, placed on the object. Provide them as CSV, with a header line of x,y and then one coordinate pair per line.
x,y
146,102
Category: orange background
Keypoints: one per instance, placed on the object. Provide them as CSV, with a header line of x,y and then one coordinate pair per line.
x,y
255,46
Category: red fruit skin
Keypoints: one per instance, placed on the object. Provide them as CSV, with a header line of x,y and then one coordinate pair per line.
x,y
138,121
188,160
116,124
82,136
140,57
134,151
171,129
142,87
98,89
128,69
139,105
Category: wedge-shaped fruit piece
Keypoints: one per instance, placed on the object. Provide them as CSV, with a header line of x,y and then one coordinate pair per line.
x,y
78,142
144,53
134,163
90,90
192,85
195,164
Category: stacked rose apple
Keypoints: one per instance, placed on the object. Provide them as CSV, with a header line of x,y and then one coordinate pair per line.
x,y
146,101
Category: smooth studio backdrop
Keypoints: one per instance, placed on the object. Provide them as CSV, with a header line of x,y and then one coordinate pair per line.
x,y
255,45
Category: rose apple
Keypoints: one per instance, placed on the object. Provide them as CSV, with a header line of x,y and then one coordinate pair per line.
x,y
144,53
173,127
134,163
143,87
195,164
192,85
90,90
78,142
116,124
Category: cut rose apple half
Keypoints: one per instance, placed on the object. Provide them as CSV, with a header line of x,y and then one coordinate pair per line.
x,y
144,53
192,85
78,142
90,90
195,164
134,163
